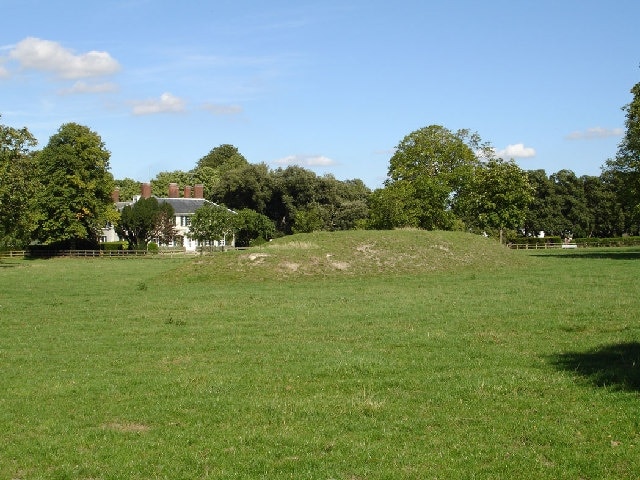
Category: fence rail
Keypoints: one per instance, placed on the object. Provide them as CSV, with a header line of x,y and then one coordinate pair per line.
x,y
110,253
13,254
541,246
90,253
577,244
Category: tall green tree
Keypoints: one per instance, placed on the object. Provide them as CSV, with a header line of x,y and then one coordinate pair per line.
x,y
569,192
18,185
247,186
498,196
544,212
294,189
223,157
604,208
144,221
212,223
75,198
435,165
624,169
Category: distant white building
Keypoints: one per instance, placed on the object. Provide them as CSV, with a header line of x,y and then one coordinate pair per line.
x,y
184,207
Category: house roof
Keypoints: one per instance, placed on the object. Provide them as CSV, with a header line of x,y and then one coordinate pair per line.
x,y
180,205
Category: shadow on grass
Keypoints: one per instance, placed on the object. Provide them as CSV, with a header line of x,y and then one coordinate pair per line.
x,y
616,365
626,255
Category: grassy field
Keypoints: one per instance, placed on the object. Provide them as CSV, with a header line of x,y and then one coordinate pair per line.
x,y
354,355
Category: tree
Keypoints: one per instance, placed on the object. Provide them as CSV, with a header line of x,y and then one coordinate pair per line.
x,y
212,223
391,207
18,185
252,228
311,218
435,165
569,193
223,157
164,227
294,189
127,188
605,210
544,213
160,184
247,186
625,167
144,221
498,196
75,198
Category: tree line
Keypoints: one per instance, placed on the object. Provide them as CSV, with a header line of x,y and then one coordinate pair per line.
x,y
436,179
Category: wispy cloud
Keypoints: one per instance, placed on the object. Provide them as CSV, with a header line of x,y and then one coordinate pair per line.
x,y
306,161
595,132
48,56
517,150
220,109
167,103
83,87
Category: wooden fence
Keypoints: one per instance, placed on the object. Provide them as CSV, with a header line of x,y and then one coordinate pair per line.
x,y
541,246
111,253
92,253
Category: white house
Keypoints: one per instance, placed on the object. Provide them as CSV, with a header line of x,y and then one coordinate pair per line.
x,y
184,208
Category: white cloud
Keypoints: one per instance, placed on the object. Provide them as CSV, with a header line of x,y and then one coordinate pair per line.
x,y
167,103
595,132
4,73
306,161
48,56
219,109
517,150
84,87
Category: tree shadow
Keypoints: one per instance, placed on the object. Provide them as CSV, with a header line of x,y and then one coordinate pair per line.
x,y
595,255
615,366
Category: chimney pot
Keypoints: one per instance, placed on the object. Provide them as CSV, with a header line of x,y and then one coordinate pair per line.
x,y
198,190
173,190
145,190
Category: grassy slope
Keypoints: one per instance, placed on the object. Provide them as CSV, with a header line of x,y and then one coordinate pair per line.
x,y
357,253
355,355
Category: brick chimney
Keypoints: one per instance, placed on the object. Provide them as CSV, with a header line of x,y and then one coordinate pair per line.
x,y
115,195
187,191
174,192
198,190
145,190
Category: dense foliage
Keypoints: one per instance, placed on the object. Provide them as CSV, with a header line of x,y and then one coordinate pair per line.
x,y
623,171
18,185
212,224
437,179
74,200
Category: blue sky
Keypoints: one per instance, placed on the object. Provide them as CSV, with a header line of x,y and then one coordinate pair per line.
x,y
330,85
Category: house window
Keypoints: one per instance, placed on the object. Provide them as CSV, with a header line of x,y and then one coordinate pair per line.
x,y
185,221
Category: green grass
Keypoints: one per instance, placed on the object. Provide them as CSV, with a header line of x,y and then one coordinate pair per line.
x,y
355,355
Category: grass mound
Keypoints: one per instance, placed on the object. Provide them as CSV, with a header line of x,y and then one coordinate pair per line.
x,y
365,253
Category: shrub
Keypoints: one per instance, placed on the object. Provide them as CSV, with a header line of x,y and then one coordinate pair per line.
x,y
113,246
